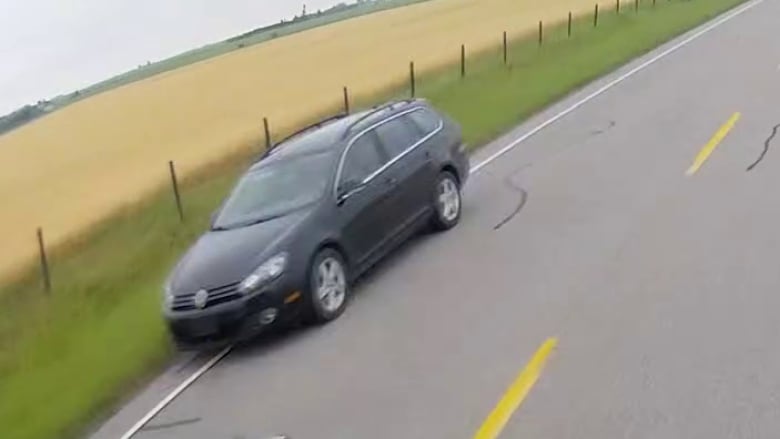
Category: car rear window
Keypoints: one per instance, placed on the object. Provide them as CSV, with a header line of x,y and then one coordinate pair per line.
x,y
398,134
426,120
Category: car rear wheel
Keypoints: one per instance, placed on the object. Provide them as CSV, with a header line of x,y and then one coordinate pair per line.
x,y
446,202
328,286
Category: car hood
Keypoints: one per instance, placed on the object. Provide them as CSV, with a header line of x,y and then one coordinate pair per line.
x,y
223,257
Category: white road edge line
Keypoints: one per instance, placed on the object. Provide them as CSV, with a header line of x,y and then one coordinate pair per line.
x,y
211,363
613,83
176,392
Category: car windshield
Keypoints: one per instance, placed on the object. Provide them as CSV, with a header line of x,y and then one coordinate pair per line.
x,y
276,189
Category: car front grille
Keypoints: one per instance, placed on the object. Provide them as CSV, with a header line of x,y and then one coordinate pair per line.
x,y
223,294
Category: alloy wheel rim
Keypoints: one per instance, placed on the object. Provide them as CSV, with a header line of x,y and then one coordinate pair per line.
x,y
331,284
449,199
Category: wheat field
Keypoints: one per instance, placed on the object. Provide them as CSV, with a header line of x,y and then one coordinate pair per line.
x,y
69,170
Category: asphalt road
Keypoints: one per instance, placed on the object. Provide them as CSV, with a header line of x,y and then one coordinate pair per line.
x,y
662,288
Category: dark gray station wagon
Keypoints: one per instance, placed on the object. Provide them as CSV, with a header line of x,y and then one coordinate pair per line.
x,y
311,215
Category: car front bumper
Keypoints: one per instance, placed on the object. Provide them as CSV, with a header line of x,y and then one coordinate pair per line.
x,y
232,321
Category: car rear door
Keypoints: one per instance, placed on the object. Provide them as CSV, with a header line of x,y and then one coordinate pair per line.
x,y
410,170
363,200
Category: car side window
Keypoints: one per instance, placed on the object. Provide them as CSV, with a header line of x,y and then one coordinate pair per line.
x,y
426,120
398,134
363,158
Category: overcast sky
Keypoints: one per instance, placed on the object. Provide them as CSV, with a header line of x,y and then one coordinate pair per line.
x,y
50,47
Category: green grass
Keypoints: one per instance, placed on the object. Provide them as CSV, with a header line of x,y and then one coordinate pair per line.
x,y
66,358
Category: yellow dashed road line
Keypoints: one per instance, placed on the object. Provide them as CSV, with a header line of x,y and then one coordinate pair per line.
x,y
705,152
516,393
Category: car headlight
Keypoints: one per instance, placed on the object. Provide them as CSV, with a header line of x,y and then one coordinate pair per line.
x,y
266,272
168,295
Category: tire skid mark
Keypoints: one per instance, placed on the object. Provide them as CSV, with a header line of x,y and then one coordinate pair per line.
x,y
168,425
515,187
510,183
767,142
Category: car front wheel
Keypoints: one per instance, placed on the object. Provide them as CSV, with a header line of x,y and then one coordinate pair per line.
x,y
447,202
328,286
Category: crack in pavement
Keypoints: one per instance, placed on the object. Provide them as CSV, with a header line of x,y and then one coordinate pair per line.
x,y
767,142
523,196
170,424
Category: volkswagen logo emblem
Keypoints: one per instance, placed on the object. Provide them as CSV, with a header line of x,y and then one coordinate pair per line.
x,y
201,298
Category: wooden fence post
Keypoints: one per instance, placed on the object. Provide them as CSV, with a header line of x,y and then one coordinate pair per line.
x,y
541,33
346,100
505,48
412,79
267,131
569,29
462,60
45,274
175,183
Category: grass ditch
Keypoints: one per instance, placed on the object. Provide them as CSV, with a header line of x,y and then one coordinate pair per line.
x,y
66,357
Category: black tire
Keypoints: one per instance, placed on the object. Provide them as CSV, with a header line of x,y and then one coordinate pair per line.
x,y
318,309
444,219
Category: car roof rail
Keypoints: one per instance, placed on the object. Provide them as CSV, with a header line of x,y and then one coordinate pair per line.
x,y
375,110
300,131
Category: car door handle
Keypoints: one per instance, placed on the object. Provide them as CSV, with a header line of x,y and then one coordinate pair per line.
x,y
391,181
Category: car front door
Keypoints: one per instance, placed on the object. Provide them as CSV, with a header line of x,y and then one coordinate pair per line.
x,y
411,170
362,199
